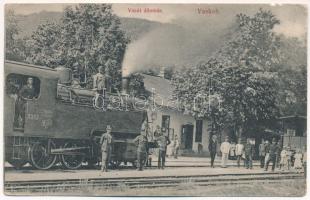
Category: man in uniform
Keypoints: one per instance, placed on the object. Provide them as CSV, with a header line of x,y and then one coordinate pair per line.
x,y
141,143
98,79
27,92
273,149
278,154
99,87
213,149
162,141
267,148
248,152
262,153
106,148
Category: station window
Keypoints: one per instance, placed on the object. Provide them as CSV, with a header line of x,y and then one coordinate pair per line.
x,y
22,86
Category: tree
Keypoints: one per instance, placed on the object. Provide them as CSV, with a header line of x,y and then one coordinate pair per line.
x,y
89,35
292,91
44,45
254,41
13,46
292,84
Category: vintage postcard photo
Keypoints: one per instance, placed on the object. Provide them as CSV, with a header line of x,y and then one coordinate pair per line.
x,y
155,99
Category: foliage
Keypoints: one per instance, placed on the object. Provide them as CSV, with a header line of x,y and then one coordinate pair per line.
x,y
292,93
292,84
13,46
44,45
88,37
254,41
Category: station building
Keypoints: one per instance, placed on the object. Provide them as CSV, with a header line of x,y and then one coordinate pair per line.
x,y
191,132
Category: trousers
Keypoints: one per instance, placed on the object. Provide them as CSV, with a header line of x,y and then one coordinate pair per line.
x,y
262,161
212,154
248,161
175,152
141,156
224,159
271,158
239,157
104,160
161,159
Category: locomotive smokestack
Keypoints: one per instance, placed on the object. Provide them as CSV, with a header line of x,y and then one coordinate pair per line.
x,y
125,85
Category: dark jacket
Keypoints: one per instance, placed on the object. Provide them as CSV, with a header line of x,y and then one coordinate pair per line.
x,y
163,141
141,142
273,150
212,146
267,148
248,149
27,92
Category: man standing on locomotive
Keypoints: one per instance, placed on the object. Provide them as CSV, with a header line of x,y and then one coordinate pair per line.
x,y
141,142
99,87
99,80
106,148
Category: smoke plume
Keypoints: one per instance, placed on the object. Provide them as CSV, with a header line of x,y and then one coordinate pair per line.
x,y
169,46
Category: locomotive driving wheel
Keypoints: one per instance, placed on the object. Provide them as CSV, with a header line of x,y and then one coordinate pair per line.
x,y
39,156
72,160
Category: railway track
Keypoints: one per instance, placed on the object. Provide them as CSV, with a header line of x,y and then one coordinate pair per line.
x,y
145,182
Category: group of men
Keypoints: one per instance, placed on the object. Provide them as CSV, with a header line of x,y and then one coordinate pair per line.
x,y
101,80
141,142
267,152
101,84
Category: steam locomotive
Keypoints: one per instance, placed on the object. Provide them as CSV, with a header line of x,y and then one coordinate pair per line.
x,y
60,124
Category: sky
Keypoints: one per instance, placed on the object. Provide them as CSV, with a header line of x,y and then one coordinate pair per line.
x,y
293,17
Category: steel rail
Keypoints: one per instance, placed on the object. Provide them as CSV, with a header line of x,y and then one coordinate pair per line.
x,y
146,182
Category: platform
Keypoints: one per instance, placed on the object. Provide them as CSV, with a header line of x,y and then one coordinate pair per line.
x,y
190,170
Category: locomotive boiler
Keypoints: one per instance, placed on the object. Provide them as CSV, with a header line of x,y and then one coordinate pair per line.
x,y
59,123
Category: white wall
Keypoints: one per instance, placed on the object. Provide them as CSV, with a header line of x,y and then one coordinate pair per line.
x,y
177,119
